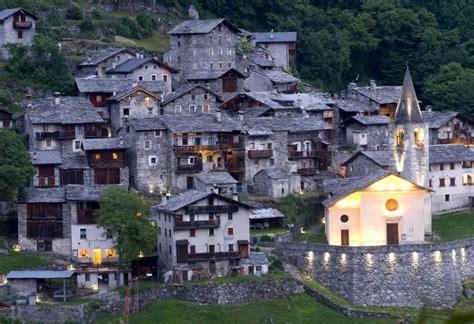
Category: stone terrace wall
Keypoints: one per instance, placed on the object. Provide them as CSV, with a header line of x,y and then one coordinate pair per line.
x,y
403,275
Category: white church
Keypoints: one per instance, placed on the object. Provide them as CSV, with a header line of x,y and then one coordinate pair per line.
x,y
391,206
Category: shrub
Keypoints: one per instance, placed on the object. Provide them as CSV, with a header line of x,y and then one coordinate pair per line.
x,y
96,15
74,13
87,26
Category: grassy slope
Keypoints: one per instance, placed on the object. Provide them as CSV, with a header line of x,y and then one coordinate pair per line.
x,y
297,309
454,226
20,260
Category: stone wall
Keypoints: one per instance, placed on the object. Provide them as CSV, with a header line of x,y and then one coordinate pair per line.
x,y
226,293
40,314
401,276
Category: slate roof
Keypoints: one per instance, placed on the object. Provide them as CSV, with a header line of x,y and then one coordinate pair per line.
x,y
262,213
5,13
255,258
275,37
200,123
381,157
354,105
112,143
372,120
181,91
132,64
181,200
74,162
128,92
437,119
258,56
311,101
450,153
84,193
145,124
408,110
218,177
287,123
279,76
200,26
46,157
44,195
111,85
100,55
40,274
70,110
209,75
381,94
276,173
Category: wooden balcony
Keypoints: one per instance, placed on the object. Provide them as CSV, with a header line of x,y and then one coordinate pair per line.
x,y
55,135
182,225
86,216
260,154
22,24
302,154
195,149
213,256
46,182
231,208
307,171
457,140
184,168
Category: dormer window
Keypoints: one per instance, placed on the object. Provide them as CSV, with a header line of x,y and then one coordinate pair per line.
x,y
400,137
419,136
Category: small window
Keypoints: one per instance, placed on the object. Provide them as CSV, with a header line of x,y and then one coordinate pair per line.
x,y
147,145
165,77
229,65
157,133
192,108
83,233
126,112
391,205
152,160
177,109
451,166
431,183
153,77
205,108
192,249
221,65
229,52
211,65
272,162
230,231
419,136
114,156
344,218
400,137
447,197
441,182
77,145
88,277
452,182
48,142
140,78
97,156
192,232
205,96
179,44
230,216
20,34
211,232
231,247
211,52
441,167
193,97
229,38
209,158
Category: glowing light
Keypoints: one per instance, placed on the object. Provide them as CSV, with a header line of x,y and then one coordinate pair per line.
x,y
141,254
438,256
326,257
95,287
310,259
139,214
302,231
323,220
71,267
416,259
168,194
343,259
17,248
391,257
369,260
38,299
301,192
453,255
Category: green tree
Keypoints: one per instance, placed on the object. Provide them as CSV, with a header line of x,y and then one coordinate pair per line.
x,y
125,216
451,89
16,169
244,45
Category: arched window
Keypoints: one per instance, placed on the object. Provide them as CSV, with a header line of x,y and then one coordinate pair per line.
x,y
419,136
400,137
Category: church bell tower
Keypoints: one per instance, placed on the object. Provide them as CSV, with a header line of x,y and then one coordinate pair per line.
x,y
409,137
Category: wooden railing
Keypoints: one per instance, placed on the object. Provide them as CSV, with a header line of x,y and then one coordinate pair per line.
x,y
230,208
307,171
45,182
260,154
194,149
302,154
182,168
213,256
86,217
22,24
180,224
457,140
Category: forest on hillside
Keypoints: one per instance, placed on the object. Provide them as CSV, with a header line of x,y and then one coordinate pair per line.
x,y
339,41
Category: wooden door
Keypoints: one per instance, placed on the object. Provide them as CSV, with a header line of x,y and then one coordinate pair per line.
x,y
344,237
392,233
243,250
229,84
189,183
182,253
46,175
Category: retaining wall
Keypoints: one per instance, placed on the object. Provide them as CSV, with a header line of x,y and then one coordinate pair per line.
x,y
402,276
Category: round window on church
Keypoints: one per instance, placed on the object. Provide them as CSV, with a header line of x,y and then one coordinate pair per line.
x,y
391,205
344,218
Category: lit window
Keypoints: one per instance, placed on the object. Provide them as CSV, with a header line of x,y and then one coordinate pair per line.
x,y
97,156
147,101
391,205
114,156
83,253
110,253
419,136
400,137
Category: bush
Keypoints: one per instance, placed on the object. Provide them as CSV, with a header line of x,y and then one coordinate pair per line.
x,y
74,13
87,26
96,15
276,265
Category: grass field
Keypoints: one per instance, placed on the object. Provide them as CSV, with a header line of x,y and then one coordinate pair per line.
x,y
454,226
20,260
268,231
297,309
317,237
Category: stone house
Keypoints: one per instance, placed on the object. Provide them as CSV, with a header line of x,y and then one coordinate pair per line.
x,y
17,26
191,98
282,46
202,234
99,61
276,182
266,218
367,132
259,59
379,209
221,182
144,69
269,80
385,98
218,81
137,103
448,127
6,119
188,54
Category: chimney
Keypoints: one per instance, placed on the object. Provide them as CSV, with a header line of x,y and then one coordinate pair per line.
x,y
373,85
137,55
351,85
28,100
134,84
121,140
299,102
218,115
274,89
208,86
304,112
241,115
89,58
113,65
34,156
271,34
429,108
57,98
214,189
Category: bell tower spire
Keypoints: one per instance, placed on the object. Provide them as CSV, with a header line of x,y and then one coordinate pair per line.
x,y
408,109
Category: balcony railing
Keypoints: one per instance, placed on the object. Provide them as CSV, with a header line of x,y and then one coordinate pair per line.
x,y
231,208
302,154
86,217
457,140
260,154
45,182
22,24
213,256
183,168
96,133
213,223
55,135
195,149
307,171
